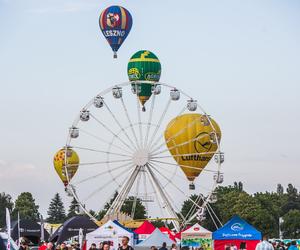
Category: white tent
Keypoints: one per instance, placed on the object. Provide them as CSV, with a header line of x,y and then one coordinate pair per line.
x,y
110,231
196,236
197,231
157,238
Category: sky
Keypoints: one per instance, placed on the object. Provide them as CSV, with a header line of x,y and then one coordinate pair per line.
x,y
239,58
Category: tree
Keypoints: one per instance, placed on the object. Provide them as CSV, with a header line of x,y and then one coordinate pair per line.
x,y
5,202
140,210
293,199
73,208
188,205
56,210
291,225
280,189
25,205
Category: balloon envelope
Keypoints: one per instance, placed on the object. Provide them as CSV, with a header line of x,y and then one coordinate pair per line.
x,y
144,66
115,23
192,141
72,164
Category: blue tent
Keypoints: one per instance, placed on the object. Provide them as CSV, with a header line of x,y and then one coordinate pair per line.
x,y
237,229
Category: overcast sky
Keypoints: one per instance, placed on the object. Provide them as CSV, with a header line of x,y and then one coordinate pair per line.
x,y
241,59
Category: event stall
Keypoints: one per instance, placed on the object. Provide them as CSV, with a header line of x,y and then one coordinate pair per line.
x,y
70,228
111,232
196,236
236,233
157,238
168,232
29,229
145,230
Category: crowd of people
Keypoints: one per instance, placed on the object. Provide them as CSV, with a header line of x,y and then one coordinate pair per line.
x,y
265,244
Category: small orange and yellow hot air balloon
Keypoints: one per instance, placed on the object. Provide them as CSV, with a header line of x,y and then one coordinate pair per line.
x,y
61,164
192,141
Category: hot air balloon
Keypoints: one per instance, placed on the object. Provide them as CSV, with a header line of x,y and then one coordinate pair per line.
x,y
192,141
115,23
143,66
71,164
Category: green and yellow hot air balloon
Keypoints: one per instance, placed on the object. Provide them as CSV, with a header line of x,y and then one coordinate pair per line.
x,y
143,66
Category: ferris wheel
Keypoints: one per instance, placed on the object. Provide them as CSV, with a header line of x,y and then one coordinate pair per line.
x,y
142,152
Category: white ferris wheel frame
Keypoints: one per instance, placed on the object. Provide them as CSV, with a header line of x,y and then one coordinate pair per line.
x,y
126,187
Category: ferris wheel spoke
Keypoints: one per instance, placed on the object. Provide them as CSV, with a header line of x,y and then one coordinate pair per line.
x,y
179,155
149,121
162,134
159,123
129,121
153,166
172,200
101,174
213,212
99,151
159,201
178,134
145,188
110,131
136,195
106,184
167,203
106,142
120,126
139,121
193,208
180,177
184,166
180,145
98,162
126,187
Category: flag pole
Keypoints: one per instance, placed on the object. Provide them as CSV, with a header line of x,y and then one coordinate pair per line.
x,y
42,229
19,233
8,226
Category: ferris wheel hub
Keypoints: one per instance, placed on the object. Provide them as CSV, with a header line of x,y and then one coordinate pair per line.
x,y
141,157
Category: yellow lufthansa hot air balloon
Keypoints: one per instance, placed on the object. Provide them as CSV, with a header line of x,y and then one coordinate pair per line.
x,y
192,141
72,164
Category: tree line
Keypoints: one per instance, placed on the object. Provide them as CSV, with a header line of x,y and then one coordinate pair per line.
x,y
262,210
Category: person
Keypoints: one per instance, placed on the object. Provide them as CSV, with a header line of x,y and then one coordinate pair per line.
x,y
24,245
264,244
76,246
164,246
125,246
106,245
293,245
281,246
63,246
43,245
173,247
93,247
100,246
50,246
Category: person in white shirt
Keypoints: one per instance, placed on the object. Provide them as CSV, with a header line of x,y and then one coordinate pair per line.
x,y
264,244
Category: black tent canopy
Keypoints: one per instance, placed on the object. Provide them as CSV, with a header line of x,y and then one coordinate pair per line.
x,y
71,227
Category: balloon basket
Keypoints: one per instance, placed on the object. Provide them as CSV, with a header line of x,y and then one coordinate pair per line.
x,y
192,186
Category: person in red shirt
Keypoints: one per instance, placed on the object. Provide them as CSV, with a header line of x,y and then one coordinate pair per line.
x,y
43,246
